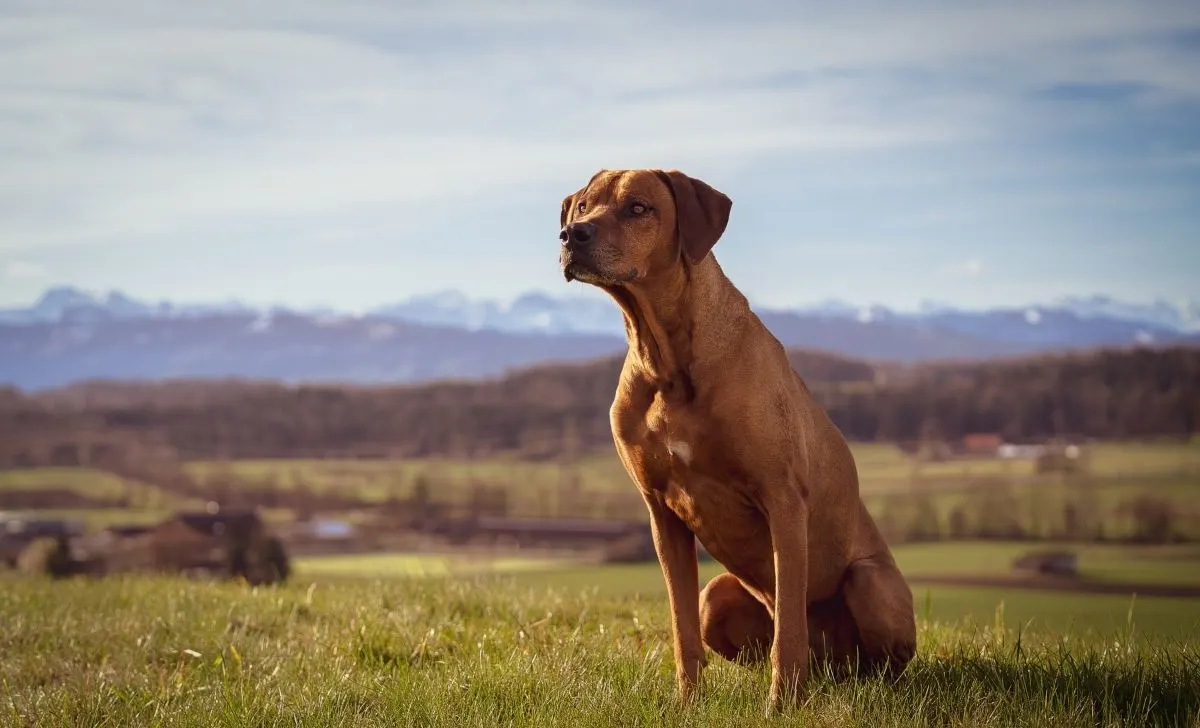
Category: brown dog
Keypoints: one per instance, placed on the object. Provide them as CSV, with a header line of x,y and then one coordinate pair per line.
x,y
727,444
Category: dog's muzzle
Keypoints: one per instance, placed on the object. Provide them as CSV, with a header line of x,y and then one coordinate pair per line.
x,y
576,253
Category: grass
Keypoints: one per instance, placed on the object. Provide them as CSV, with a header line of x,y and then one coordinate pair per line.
x,y
472,652
387,639
384,565
1043,612
1017,608
1174,564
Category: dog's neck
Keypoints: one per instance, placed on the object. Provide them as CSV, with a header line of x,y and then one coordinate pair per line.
x,y
662,321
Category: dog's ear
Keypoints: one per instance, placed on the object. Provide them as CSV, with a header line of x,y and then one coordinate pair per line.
x,y
567,203
701,213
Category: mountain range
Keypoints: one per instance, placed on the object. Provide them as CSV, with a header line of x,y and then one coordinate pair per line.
x,y
69,335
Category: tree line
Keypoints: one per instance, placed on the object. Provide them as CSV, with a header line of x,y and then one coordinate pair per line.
x,y
556,411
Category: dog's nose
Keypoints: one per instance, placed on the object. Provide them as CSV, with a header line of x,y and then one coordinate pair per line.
x,y
578,233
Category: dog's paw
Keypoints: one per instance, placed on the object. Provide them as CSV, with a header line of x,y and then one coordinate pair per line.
x,y
687,674
689,688
778,704
785,696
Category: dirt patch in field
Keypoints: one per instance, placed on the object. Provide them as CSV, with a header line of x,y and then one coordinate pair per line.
x,y
1061,584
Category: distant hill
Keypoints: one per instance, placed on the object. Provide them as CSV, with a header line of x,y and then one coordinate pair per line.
x,y
546,411
70,335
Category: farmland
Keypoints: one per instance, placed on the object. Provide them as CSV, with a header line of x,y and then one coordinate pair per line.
x,y
479,636
882,468
894,485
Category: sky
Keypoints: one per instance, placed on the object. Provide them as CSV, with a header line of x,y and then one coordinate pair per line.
x,y
358,152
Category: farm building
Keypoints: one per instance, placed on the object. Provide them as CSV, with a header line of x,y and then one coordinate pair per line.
x,y
981,444
228,543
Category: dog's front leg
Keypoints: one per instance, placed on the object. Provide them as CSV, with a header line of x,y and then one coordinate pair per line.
x,y
787,518
676,547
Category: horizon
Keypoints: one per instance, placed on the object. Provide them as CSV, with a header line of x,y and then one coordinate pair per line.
x,y
312,155
1183,304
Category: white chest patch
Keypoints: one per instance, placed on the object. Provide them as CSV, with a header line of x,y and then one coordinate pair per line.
x,y
681,450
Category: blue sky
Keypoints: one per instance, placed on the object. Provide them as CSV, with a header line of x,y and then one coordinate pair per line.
x,y
354,153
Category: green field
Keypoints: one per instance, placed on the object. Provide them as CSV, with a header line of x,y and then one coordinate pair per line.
x,y
385,565
1028,610
516,651
1174,564
1036,610
596,484
882,468
459,639
91,483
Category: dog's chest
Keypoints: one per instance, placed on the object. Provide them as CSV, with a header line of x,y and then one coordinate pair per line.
x,y
679,456
671,434
693,473
672,443
717,510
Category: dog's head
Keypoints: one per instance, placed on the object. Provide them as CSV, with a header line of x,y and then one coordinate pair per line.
x,y
625,226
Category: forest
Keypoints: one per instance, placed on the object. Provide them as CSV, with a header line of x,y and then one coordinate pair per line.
x,y
554,410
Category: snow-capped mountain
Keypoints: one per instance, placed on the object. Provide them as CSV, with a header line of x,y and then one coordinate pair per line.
x,y
1181,315
63,303
68,334
540,312
528,312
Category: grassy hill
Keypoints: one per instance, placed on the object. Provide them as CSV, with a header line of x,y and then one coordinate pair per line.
x,y
462,652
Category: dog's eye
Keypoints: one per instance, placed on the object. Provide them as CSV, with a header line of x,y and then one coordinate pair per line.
x,y
638,208
581,206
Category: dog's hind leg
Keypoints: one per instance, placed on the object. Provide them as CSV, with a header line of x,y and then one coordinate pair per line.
x,y
733,623
833,636
739,628
882,606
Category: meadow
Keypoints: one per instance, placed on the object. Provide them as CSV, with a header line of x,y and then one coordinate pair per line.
x,y
534,648
466,638
1016,606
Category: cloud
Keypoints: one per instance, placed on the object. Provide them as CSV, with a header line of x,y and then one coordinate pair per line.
x,y
964,268
23,270
141,132
143,124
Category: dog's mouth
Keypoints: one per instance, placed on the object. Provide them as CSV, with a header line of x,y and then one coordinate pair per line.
x,y
576,268
581,267
575,272
583,274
